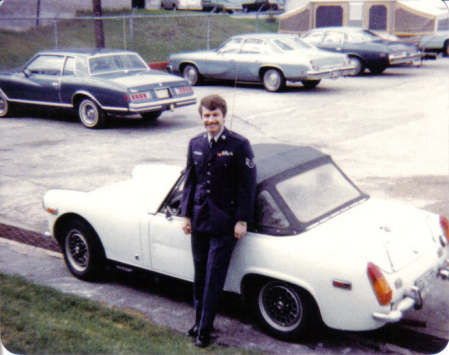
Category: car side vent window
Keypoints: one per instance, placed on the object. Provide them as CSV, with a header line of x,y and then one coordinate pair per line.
x,y
268,213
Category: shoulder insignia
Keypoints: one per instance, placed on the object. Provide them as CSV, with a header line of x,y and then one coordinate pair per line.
x,y
250,163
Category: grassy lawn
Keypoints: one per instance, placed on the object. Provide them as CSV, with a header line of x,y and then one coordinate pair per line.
x,y
153,37
40,320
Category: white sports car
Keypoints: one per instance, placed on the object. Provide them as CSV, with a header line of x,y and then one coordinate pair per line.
x,y
319,248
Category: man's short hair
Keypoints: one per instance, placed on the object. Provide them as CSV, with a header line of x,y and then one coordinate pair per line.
x,y
213,102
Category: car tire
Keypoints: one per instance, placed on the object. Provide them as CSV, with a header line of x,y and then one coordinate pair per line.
x,y
151,116
5,106
83,253
446,48
359,66
90,114
285,311
273,80
310,84
192,75
377,70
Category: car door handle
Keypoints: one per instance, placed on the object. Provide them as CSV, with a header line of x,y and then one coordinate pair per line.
x,y
55,84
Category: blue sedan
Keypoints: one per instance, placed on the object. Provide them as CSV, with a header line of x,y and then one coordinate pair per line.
x,y
95,83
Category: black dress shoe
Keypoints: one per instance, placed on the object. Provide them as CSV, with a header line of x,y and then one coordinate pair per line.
x,y
203,340
193,332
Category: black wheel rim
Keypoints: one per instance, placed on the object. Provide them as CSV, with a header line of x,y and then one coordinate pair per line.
x,y
77,250
280,306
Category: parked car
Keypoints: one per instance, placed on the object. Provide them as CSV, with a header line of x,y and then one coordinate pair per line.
x,y
94,82
438,42
181,4
365,48
271,59
263,5
228,6
319,248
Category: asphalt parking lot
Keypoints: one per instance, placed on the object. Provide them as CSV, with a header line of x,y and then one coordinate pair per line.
x,y
389,133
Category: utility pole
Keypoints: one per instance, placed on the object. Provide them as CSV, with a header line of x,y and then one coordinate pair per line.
x,y
98,24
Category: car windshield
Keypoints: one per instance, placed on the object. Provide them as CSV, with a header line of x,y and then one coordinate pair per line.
x,y
291,43
363,36
115,63
317,192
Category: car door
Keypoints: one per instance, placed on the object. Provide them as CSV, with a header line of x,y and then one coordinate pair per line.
x,y
170,248
42,78
253,54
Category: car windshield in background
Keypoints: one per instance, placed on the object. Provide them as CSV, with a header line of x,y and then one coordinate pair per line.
x,y
115,63
290,44
317,192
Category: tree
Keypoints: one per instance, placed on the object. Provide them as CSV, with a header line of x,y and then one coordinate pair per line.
x,y
98,24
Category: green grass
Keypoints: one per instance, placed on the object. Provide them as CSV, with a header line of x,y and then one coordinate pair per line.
x,y
155,38
40,320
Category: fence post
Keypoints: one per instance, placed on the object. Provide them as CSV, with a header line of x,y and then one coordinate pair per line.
x,y
131,28
208,32
55,30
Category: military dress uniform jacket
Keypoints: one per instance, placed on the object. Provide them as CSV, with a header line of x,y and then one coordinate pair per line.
x,y
220,184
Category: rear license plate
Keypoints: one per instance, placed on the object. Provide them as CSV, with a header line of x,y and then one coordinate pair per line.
x,y
162,93
424,283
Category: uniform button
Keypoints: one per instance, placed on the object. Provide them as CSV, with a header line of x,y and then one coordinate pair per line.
x,y
208,191
208,181
208,164
208,173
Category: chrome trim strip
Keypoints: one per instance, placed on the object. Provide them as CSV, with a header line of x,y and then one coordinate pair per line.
x,y
42,103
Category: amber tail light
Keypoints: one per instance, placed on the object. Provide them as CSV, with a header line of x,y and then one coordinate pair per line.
x,y
445,225
380,285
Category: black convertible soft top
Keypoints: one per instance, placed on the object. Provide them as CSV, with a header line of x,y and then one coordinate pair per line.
x,y
275,159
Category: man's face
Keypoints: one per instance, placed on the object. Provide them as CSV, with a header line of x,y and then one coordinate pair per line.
x,y
213,120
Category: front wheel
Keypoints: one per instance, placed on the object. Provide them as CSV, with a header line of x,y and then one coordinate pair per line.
x,y
310,84
192,75
284,310
273,80
82,249
91,115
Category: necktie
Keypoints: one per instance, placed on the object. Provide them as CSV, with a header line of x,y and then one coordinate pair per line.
x,y
212,143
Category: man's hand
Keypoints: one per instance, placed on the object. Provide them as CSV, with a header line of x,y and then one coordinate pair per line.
x,y
240,229
186,225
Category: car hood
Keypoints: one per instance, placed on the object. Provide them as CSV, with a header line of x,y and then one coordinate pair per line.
x,y
390,235
146,190
140,80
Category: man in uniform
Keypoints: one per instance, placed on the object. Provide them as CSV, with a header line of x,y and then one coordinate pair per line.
x,y
218,202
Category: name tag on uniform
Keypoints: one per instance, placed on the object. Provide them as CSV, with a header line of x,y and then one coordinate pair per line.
x,y
197,152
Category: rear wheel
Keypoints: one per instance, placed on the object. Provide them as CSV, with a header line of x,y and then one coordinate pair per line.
x,y
82,249
151,116
285,311
359,66
446,49
5,106
91,115
377,70
192,75
310,84
273,80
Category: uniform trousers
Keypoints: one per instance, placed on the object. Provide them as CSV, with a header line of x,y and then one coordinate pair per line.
x,y
211,257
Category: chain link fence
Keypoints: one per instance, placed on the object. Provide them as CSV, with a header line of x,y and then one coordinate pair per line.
x,y
153,36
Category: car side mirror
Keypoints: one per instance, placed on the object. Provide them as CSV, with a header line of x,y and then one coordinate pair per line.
x,y
27,72
169,213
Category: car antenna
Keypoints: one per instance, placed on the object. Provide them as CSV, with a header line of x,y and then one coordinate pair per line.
x,y
236,68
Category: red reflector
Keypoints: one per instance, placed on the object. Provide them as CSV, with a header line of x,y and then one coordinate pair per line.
x,y
345,285
380,285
